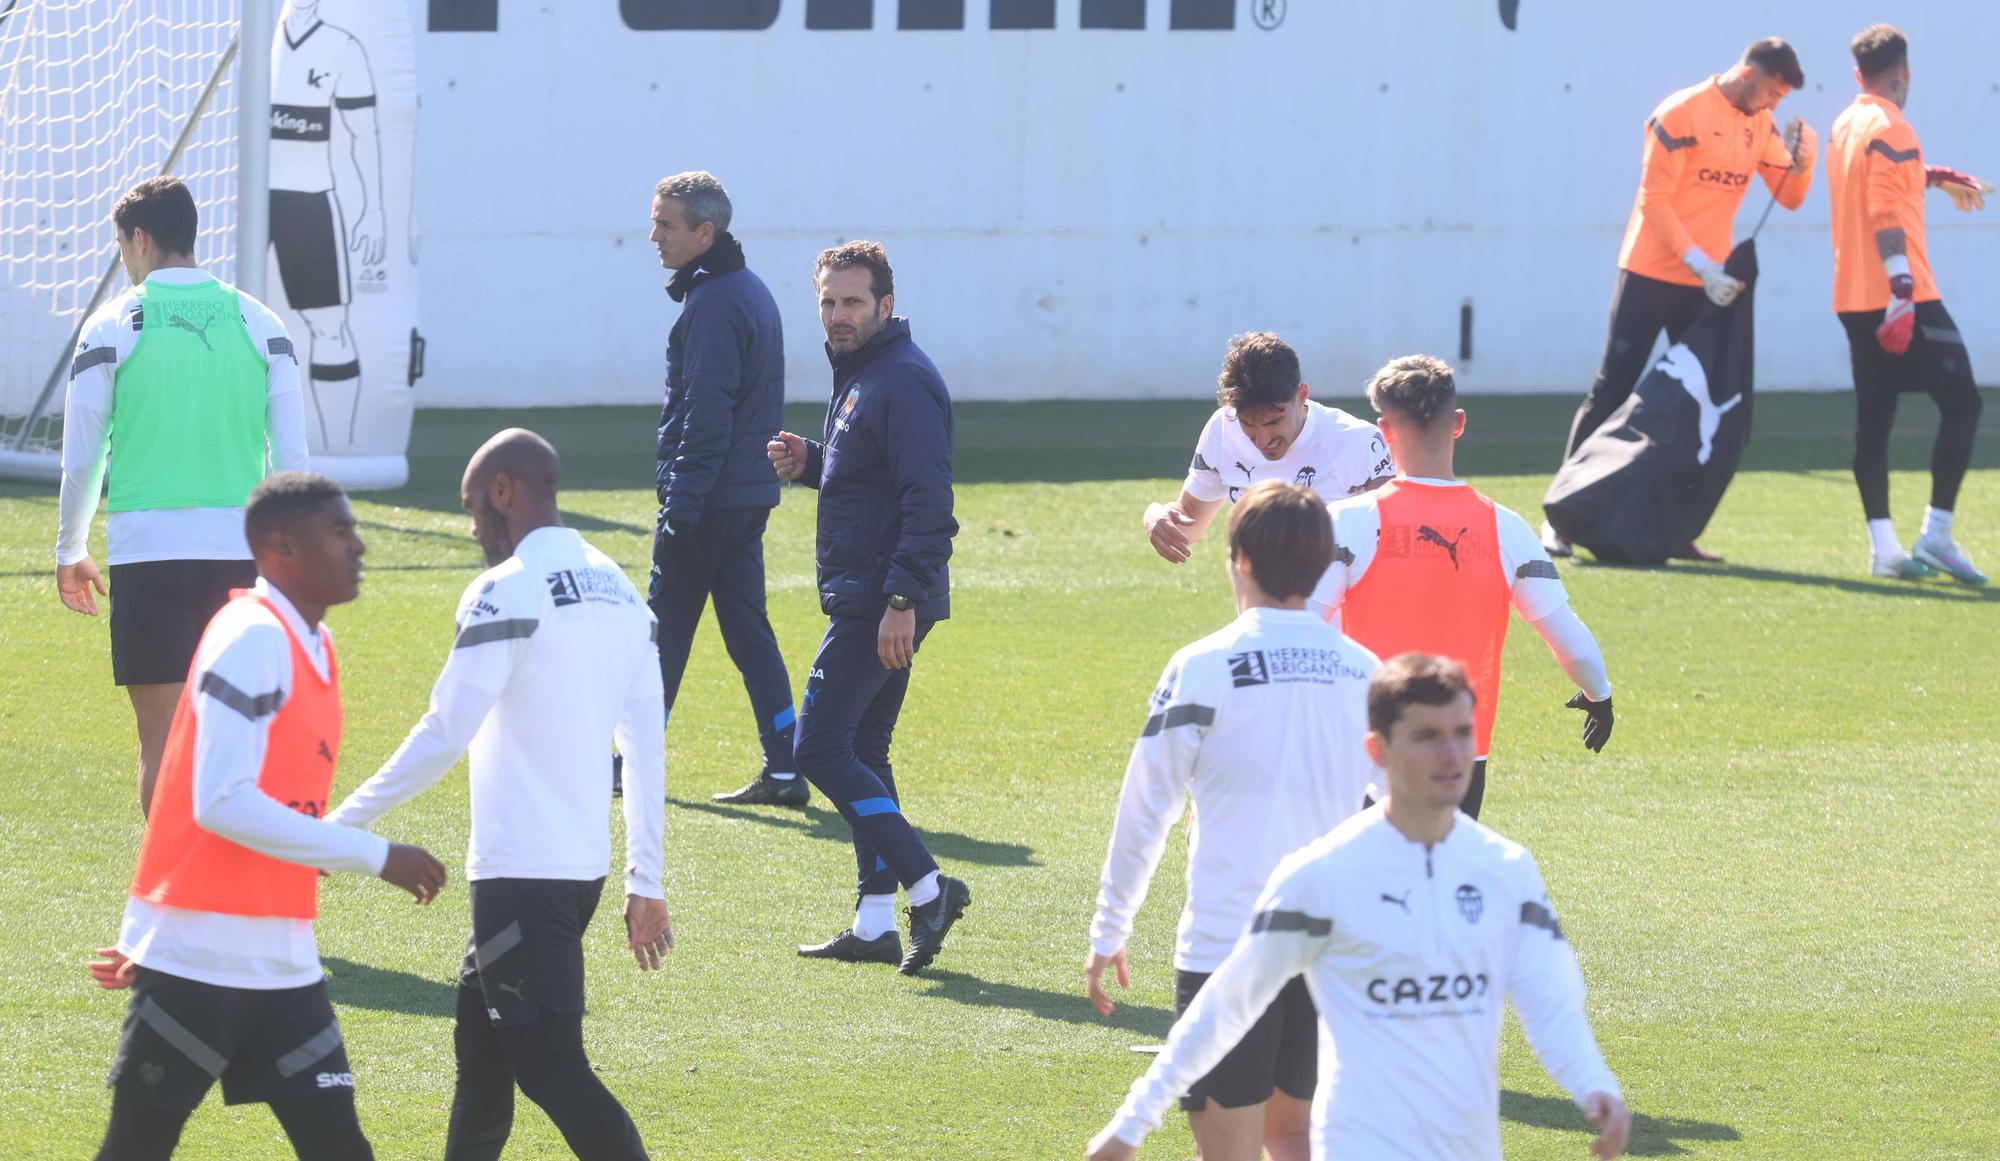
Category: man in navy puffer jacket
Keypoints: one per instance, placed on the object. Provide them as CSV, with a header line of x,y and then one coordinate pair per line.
x,y
725,399
883,471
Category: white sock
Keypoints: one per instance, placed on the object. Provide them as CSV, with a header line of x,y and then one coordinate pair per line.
x,y
924,890
1937,525
875,915
782,776
1882,534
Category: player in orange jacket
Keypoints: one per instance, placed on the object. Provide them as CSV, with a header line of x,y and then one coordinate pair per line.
x,y
1702,146
1899,335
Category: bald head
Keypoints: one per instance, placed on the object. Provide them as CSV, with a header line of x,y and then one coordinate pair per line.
x,y
520,455
510,490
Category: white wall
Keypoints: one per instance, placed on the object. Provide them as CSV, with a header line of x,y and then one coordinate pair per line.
x,y
1092,213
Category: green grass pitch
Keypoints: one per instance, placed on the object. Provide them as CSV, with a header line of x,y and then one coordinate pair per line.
x,y
1782,876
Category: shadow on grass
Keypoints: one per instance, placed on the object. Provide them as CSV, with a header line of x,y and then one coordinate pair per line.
x,y
1150,1024
1940,588
1651,1136
817,822
357,985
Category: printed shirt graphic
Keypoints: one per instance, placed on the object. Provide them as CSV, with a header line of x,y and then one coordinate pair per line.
x,y
1261,724
1699,157
1335,455
1410,956
324,70
1875,179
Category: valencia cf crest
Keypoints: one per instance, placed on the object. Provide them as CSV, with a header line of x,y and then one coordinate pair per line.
x,y
1471,903
853,401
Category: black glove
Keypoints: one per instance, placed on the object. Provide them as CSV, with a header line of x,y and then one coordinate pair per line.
x,y
1596,721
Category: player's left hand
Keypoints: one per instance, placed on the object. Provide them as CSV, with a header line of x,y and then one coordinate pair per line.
x,y
649,931
1106,1146
73,585
371,238
111,969
1596,720
1802,143
1613,1121
896,641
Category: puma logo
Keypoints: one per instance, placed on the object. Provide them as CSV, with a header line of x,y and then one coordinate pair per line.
x,y
1680,363
181,323
325,751
1403,902
1244,470
514,988
1431,535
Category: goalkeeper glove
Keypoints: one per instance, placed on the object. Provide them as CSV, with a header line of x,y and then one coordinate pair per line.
x,y
1967,192
1596,720
1718,285
1899,322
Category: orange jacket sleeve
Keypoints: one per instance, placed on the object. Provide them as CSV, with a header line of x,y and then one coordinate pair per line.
x,y
1776,166
1888,204
1668,138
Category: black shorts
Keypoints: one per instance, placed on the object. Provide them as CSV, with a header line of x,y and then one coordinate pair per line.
x,y
1281,1050
159,609
182,1036
306,231
1936,362
526,951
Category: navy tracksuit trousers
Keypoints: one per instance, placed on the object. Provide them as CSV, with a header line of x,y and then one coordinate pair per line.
x,y
722,557
850,709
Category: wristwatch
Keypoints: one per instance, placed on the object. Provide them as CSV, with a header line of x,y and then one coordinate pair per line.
x,y
902,604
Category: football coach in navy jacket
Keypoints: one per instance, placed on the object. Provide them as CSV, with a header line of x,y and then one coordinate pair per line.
x,y
883,471
725,399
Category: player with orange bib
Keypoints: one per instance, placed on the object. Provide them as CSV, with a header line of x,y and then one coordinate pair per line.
x,y
1427,564
1703,145
1899,335
217,940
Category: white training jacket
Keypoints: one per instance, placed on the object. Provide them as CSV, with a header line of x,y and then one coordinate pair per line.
x,y
555,658
1261,723
1410,955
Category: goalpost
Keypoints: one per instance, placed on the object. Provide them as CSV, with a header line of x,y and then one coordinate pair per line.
x,y
96,96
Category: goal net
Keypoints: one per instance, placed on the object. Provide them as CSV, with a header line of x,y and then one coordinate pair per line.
x,y
96,96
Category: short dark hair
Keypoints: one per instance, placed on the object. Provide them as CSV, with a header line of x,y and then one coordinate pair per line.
x,y
1418,387
1285,532
163,207
1409,679
867,255
282,500
1776,59
1260,371
701,196
1879,48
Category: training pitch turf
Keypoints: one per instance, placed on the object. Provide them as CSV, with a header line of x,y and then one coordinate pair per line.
x,y
1780,876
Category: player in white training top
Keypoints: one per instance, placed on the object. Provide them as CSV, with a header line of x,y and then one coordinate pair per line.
x,y
555,656
1261,723
1413,925
1266,429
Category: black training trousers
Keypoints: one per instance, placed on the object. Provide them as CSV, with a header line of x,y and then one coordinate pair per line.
x,y
1935,364
1641,308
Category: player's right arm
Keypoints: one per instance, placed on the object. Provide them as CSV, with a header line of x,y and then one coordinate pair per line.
x,y
86,444
1157,778
640,733
1173,529
1896,218
1355,522
1293,926
490,640
1669,137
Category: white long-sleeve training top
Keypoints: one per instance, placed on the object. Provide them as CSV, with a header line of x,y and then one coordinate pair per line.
x,y
1410,955
1261,723
108,339
242,674
555,657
